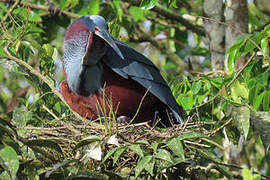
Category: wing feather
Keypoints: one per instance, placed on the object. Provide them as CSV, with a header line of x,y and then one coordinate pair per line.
x,y
139,68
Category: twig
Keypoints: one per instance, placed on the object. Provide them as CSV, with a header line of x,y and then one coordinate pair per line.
x,y
239,72
10,11
197,144
206,102
172,16
221,127
50,112
40,7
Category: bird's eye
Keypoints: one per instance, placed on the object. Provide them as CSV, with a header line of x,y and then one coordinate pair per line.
x,y
97,29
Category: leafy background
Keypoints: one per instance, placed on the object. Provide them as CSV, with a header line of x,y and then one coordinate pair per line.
x,y
226,129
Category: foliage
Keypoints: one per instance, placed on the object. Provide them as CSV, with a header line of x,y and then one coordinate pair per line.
x,y
42,138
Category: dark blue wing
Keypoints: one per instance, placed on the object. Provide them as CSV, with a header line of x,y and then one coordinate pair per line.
x,y
139,68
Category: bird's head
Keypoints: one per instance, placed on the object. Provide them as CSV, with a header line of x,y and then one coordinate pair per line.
x,y
85,43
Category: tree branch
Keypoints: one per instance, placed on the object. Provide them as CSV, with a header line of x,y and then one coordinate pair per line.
x,y
172,16
40,7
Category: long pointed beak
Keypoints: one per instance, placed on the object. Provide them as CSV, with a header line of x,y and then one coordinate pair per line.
x,y
106,37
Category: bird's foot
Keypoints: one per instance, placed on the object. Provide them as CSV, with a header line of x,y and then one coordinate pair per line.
x,y
123,120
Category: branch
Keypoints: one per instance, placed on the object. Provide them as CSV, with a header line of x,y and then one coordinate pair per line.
x,y
172,16
40,7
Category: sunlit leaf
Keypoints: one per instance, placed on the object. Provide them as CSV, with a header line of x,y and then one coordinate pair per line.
x,y
176,147
137,13
9,161
118,153
86,141
141,164
144,142
110,153
148,4
149,167
196,87
137,149
164,155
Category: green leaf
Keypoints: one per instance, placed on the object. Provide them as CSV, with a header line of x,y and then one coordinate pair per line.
x,y
231,59
137,149
234,95
148,4
186,101
93,7
258,100
21,116
251,44
265,46
117,8
44,143
254,10
164,155
48,49
149,167
118,153
196,87
239,90
248,175
253,93
154,146
86,141
141,164
176,147
144,142
137,13
266,101
9,161
172,3
57,107
192,135
262,78
109,154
